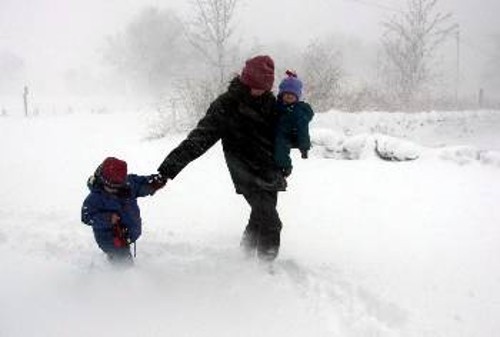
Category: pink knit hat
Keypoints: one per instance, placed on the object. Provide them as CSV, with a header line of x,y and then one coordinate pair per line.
x,y
258,73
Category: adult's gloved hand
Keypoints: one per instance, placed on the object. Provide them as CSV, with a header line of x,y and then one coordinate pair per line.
x,y
157,181
303,154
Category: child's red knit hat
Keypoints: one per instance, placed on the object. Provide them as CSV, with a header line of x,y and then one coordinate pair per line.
x,y
114,172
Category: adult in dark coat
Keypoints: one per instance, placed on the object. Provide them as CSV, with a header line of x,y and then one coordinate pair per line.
x,y
244,118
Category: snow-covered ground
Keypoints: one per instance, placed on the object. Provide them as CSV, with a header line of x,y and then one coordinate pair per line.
x,y
370,247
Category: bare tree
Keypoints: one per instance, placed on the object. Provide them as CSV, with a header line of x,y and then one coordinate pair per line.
x,y
491,73
150,51
211,31
410,43
322,72
12,72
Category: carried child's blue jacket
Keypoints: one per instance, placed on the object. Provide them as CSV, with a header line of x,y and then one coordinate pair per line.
x,y
292,131
100,205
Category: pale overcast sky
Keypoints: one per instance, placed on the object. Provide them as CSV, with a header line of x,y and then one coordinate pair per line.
x,y
55,34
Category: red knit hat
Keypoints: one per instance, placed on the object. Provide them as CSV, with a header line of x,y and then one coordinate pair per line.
x,y
258,73
114,172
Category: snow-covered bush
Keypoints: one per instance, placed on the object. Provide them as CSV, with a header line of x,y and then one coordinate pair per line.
x,y
460,154
396,149
358,147
322,72
183,107
329,144
490,158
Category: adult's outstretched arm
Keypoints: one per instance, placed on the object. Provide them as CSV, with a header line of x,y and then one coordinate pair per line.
x,y
200,139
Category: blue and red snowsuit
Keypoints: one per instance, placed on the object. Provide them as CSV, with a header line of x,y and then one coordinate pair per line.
x,y
100,205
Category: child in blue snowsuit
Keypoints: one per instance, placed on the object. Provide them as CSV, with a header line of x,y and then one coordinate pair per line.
x,y
293,125
111,207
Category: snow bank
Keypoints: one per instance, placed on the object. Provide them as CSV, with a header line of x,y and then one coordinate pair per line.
x,y
388,136
468,154
490,158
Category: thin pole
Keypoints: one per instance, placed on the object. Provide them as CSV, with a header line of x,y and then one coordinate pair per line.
x,y
25,98
457,78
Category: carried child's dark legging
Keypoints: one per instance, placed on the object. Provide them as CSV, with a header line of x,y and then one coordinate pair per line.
x,y
264,226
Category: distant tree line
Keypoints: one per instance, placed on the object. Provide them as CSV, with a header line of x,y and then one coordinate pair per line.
x,y
186,63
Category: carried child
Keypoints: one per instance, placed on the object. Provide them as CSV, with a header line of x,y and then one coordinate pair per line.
x,y
112,210
293,124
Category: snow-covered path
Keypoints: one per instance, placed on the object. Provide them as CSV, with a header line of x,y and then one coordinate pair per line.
x,y
370,248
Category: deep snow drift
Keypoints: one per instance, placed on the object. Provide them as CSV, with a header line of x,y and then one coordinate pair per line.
x,y
370,247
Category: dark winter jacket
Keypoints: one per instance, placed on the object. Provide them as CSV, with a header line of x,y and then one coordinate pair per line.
x,y
246,125
292,131
100,205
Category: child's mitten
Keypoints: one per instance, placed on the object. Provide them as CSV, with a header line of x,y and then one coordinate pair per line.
x,y
286,171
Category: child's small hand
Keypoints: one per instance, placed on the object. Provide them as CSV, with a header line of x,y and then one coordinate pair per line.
x,y
286,171
115,219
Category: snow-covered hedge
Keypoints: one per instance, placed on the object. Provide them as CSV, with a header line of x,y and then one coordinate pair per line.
x,y
397,136
330,144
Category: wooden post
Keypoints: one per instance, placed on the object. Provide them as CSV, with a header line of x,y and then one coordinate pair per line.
x,y
481,98
25,98
457,70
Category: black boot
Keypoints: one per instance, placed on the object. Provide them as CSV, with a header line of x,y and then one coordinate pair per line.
x,y
248,243
120,257
268,244
268,255
264,226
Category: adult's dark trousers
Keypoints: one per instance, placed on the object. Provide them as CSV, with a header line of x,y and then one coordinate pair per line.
x,y
264,226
